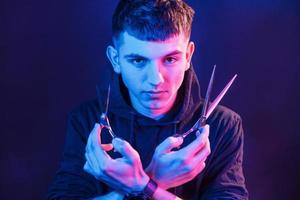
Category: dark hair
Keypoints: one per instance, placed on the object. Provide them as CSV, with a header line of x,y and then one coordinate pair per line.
x,y
152,20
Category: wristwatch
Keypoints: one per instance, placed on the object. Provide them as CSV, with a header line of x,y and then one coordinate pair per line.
x,y
146,194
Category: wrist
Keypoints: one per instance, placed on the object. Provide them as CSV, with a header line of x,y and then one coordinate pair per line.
x,y
147,192
149,171
139,187
144,181
150,188
164,194
152,176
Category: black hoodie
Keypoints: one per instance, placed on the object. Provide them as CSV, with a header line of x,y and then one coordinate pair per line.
x,y
222,177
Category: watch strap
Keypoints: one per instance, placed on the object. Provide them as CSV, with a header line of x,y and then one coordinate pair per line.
x,y
150,188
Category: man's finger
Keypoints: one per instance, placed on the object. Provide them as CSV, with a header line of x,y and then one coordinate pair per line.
x,y
168,144
198,143
93,145
94,133
91,159
202,154
125,149
198,169
107,147
87,168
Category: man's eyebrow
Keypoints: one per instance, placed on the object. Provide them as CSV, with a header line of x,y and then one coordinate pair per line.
x,y
133,55
173,53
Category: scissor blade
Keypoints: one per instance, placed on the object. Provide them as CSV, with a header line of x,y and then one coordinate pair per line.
x,y
107,99
202,121
214,104
208,92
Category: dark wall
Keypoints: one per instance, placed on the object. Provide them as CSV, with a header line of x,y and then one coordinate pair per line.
x,y
52,54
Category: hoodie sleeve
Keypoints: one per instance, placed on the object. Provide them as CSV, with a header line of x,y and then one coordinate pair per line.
x,y
71,181
224,178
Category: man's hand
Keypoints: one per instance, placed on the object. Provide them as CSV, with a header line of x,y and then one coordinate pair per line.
x,y
124,174
173,168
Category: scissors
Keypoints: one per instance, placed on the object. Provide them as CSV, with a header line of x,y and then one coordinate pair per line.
x,y
207,110
104,121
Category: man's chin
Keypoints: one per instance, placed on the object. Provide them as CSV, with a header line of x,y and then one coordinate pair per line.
x,y
155,105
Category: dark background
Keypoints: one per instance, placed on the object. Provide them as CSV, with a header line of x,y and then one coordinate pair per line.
x,y
52,54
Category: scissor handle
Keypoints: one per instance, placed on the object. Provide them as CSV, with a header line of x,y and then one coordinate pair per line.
x,y
104,123
200,123
108,129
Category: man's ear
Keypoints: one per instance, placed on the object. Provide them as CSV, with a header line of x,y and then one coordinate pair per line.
x,y
112,55
189,54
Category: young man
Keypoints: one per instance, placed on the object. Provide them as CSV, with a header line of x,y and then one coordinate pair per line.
x,y
155,94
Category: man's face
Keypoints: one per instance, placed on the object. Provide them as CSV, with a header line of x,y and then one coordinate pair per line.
x,y
153,71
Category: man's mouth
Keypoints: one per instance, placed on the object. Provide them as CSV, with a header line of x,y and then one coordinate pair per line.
x,y
155,93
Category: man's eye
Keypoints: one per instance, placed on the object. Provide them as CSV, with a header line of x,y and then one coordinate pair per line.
x,y
170,60
137,61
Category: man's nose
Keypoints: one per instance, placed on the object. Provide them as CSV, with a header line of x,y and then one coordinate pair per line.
x,y
154,74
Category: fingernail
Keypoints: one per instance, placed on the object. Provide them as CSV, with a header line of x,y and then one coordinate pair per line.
x,y
117,141
180,139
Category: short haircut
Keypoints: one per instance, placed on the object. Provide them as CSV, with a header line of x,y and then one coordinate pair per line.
x,y
152,20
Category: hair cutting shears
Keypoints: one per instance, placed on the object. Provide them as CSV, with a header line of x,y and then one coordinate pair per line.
x,y
207,110
104,121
